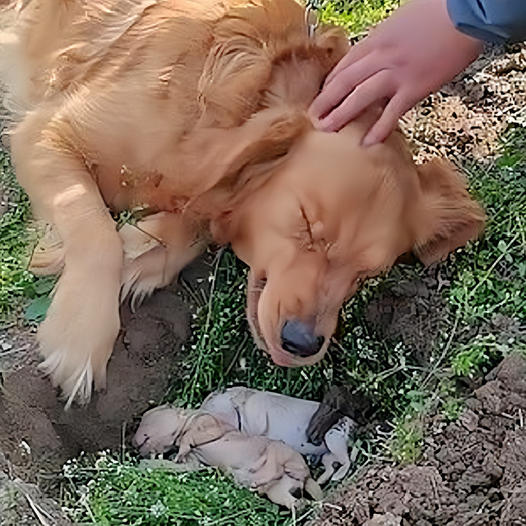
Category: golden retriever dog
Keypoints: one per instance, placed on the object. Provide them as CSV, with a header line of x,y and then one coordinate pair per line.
x,y
195,111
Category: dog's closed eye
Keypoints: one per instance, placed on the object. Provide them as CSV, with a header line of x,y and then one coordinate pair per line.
x,y
312,233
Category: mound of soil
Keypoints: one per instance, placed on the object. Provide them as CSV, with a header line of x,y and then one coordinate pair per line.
x,y
472,471
413,312
35,431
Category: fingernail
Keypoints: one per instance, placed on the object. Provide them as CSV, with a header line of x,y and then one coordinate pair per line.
x,y
314,120
318,123
369,140
325,124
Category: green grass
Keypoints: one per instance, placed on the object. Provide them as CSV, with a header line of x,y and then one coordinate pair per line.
x,y
19,288
14,278
492,275
357,15
115,491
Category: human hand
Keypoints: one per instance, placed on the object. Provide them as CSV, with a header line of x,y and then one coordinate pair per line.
x,y
407,57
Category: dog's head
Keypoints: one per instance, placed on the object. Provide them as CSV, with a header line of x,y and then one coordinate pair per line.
x,y
314,214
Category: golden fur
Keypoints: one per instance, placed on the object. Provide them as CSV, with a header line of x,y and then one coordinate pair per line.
x,y
195,110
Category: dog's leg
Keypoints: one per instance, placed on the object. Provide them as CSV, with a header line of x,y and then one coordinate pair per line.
x,y
281,492
267,469
342,470
82,323
328,463
336,443
155,251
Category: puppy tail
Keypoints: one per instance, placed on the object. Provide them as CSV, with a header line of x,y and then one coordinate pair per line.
x,y
313,489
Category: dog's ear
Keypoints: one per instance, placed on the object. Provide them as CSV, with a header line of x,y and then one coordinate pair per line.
x,y
248,43
447,217
223,165
332,44
233,74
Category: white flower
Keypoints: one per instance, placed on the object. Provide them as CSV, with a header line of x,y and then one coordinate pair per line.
x,y
158,509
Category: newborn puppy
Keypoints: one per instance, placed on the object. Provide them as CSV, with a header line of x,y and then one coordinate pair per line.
x,y
280,417
267,466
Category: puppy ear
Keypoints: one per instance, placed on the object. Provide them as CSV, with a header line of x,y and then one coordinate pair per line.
x,y
202,430
447,217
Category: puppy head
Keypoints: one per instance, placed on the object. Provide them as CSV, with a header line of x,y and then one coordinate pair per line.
x,y
327,216
159,429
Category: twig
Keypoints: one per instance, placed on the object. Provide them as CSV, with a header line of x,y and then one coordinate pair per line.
x,y
39,512
236,356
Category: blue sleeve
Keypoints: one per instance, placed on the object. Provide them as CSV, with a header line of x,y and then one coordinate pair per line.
x,y
491,20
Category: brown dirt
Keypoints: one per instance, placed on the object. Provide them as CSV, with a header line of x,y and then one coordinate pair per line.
x,y
37,434
467,118
412,311
23,504
472,472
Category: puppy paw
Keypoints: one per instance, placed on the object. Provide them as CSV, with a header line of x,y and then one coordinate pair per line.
x,y
341,472
325,477
313,489
74,380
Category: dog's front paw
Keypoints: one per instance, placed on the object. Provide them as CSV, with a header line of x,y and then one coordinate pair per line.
x,y
143,275
77,338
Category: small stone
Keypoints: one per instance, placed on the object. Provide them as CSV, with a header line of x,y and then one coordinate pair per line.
x,y
469,420
385,519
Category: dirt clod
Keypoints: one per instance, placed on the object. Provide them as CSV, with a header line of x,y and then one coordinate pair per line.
x,y
23,504
411,312
472,472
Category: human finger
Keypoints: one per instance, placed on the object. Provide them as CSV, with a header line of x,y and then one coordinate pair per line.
x,y
355,53
388,121
373,89
341,86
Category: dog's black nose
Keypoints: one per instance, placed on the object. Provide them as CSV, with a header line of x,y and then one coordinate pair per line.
x,y
299,339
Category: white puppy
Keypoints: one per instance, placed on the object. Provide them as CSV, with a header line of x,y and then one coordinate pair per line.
x,y
280,417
